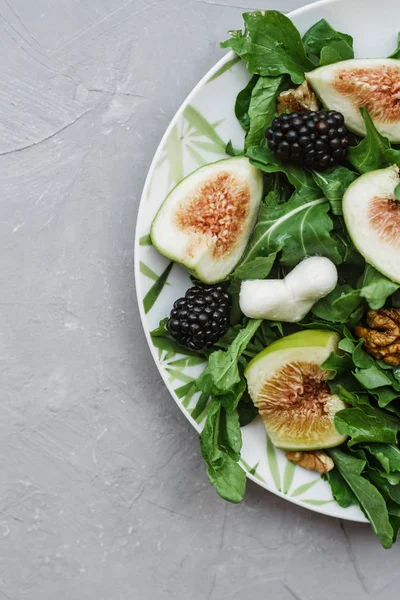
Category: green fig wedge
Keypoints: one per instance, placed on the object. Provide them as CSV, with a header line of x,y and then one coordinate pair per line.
x,y
289,387
206,221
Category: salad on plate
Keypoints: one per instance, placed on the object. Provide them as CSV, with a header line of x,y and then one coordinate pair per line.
x,y
293,245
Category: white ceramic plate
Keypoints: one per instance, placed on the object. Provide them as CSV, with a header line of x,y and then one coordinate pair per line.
x,y
196,136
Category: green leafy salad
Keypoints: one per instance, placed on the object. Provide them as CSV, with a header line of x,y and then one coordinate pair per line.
x,y
293,243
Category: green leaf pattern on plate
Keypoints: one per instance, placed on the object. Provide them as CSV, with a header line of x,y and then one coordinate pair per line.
x,y
252,470
288,476
147,272
273,464
156,289
302,489
191,140
226,67
313,502
202,127
284,479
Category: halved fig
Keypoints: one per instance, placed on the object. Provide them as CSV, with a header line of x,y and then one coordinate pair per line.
x,y
206,221
290,390
372,216
372,82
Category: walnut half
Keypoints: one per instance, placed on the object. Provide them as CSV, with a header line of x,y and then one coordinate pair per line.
x,y
301,99
382,337
317,460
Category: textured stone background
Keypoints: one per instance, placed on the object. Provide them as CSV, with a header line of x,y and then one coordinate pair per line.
x,y
103,493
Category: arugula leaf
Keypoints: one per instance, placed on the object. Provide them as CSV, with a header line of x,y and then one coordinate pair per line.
x,y
354,399
392,478
243,103
341,491
388,491
222,372
262,108
378,379
339,305
371,500
389,373
231,151
296,228
161,330
329,56
270,45
386,397
350,256
279,183
220,443
267,161
231,399
347,345
366,424
374,151
246,410
334,185
361,359
229,337
268,333
210,434
376,288
229,479
356,316
325,43
394,516
338,364
369,154
322,325
236,313
392,157
349,389
163,342
373,377
229,435
258,268
396,53
388,455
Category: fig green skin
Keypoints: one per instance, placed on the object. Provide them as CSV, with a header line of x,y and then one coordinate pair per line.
x,y
356,203
301,339
314,345
204,270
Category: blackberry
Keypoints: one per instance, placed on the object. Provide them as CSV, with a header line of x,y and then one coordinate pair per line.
x,y
316,140
201,318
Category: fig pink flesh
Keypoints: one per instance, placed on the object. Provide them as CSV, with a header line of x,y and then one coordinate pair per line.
x,y
384,214
218,209
295,400
378,89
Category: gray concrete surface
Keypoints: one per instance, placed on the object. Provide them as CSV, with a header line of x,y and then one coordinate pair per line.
x,y
103,493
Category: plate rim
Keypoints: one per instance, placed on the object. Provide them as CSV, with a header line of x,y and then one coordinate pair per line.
x,y
153,166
